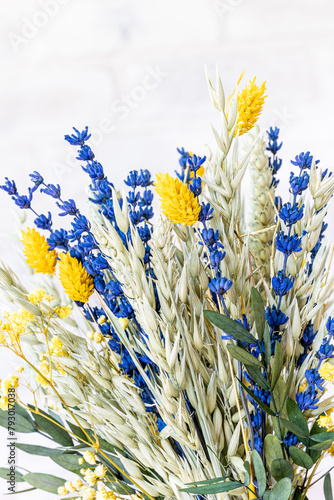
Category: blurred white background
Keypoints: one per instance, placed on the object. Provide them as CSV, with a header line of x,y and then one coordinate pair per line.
x,y
81,62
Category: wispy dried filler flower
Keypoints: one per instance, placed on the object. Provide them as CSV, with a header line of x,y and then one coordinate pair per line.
x,y
178,203
37,253
250,104
77,283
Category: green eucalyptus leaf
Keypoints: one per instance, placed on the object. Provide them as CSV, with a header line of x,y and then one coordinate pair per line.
x,y
260,472
212,489
281,468
323,436
315,454
51,428
230,327
294,428
281,490
272,449
295,415
321,446
328,492
242,355
267,344
258,377
55,417
4,474
277,365
266,495
258,312
278,396
257,400
38,450
44,482
300,457
23,423
77,431
248,475
69,462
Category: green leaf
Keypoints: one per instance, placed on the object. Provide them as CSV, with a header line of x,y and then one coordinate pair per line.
x,y
77,431
321,446
316,429
300,457
267,344
69,462
297,494
23,412
212,489
328,487
258,377
260,472
248,475
58,434
278,396
4,473
296,415
44,482
277,365
257,400
55,417
281,490
242,355
323,436
258,312
266,495
38,450
22,424
230,327
281,468
272,449
293,428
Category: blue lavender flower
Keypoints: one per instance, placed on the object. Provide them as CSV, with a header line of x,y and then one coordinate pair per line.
x,y
196,186
313,378
273,145
9,187
304,160
273,133
145,233
94,170
211,238
220,285
290,214
290,440
330,325
79,138
36,178
133,197
307,400
215,259
281,283
44,222
133,180
23,201
326,351
52,190
85,154
184,157
275,317
68,207
298,184
146,198
195,162
205,213
288,244
58,239
80,225
145,178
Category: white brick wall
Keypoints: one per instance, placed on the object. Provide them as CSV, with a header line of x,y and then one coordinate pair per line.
x,y
75,69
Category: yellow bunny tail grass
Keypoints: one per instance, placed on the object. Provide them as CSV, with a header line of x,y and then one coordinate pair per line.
x,y
37,253
77,283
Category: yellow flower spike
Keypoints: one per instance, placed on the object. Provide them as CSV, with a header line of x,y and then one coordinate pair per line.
x,y
250,104
63,311
326,371
178,203
77,283
37,253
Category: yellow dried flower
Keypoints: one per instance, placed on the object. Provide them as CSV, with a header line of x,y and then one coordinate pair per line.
x,y
101,319
80,461
36,295
89,494
3,339
98,337
124,323
63,311
90,477
326,422
178,203
250,104
69,486
89,457
56,347
19,369
77,283
4,403
10,382
100,471
78,484
49,298
326,371
62,491
37,253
